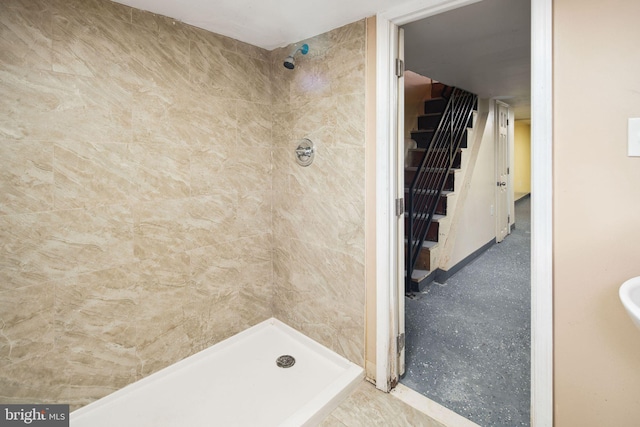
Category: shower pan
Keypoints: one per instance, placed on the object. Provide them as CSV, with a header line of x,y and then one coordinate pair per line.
x,y
267,375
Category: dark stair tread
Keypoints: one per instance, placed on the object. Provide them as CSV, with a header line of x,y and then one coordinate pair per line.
x,y
435,105
423,138
418,276
432,114
427,244
436,217
433,129
445,193
415,156
415,168
422,150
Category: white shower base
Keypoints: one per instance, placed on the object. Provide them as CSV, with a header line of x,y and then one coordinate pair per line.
x,y
234,383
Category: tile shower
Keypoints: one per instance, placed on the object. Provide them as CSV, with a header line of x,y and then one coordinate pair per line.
x,y
151,205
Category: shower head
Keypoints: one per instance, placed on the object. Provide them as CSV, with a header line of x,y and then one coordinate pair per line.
x,y
290,62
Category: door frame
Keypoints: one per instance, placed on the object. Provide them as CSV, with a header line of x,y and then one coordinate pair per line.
x,y
502,210
542,195
400,159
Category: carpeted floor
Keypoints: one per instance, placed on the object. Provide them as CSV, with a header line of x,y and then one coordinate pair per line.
x,y
468,340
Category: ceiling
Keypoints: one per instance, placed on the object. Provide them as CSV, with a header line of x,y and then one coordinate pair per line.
x,y
266,23
482,47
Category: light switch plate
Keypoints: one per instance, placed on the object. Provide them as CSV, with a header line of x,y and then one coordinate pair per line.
x,y
634,137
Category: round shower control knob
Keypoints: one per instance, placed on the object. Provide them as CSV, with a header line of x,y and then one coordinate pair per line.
x,y
305,152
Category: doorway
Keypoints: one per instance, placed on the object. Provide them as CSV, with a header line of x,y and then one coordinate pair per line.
x,y
541,203
468,332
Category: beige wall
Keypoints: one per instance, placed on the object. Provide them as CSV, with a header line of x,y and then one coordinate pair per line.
x,y
476,222
319,210
417,89
522,158
137,218
596,205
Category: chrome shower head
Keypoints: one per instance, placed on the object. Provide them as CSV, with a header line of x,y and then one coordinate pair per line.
x,y
290,62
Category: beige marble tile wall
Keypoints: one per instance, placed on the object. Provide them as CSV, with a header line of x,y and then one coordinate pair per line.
x,y
135,195
319,209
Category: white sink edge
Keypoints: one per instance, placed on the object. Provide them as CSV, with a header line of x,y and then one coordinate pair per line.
x,y
629,293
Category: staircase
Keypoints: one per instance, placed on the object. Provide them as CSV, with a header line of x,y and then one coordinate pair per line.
x,y
430,175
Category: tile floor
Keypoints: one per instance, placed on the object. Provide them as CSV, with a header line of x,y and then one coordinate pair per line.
x,y
369,407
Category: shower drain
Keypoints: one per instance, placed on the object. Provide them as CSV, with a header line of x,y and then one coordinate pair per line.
x,y
285,361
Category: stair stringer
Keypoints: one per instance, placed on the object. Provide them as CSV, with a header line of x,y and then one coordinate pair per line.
x,y
444,221
449,228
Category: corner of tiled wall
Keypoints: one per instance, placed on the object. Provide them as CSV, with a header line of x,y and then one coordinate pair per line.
x,y
150,202
319,209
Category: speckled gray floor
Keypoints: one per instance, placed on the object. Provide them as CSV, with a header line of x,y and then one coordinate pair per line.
x,y
468,340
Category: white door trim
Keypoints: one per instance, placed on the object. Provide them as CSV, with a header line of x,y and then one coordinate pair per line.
x,y
542,213
399,252
385,221
541,183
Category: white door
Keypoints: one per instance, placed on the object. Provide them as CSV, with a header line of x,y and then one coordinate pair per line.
x,y
400,197
502,171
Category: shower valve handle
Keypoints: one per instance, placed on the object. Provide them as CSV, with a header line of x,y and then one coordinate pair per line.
x,y
304,152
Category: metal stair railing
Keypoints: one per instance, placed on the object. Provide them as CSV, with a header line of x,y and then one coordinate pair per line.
x,y
431,175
